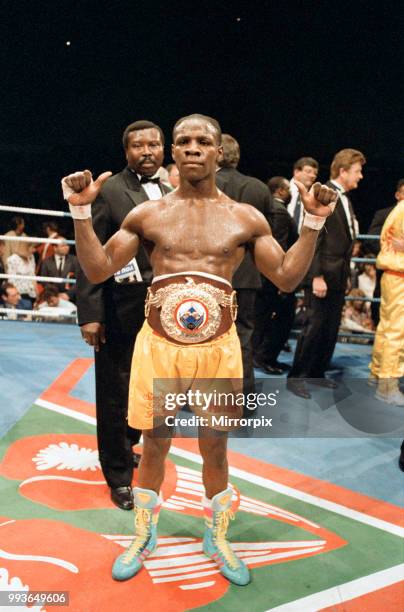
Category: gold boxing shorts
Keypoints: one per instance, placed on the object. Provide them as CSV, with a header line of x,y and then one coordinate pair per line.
x,y
157,359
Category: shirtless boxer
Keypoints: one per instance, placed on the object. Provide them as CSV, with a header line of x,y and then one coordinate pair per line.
x,y
196,237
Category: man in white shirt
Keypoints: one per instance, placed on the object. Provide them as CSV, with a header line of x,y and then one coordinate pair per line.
x,y
305,170
326,281
54,304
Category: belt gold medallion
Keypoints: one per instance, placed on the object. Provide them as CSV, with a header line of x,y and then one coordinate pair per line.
x,y
191,312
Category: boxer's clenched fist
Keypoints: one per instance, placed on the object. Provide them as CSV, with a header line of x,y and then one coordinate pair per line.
x,y
79,188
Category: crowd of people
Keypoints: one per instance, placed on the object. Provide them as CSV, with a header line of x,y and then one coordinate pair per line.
x,y
25,259
312,248
266,316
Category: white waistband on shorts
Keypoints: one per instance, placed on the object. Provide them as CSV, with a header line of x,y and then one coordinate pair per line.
x,y
192,273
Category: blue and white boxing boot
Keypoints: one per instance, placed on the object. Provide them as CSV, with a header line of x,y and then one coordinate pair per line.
x,y
147,508
215,545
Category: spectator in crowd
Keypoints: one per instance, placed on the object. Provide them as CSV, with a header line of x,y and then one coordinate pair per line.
x,y
326,282
367,280
11,298
22,262
247,279
274,309
51,302
62,265
18,226
111,314
305,170
45,250
387,364
372,246
173,176
356,314
2,258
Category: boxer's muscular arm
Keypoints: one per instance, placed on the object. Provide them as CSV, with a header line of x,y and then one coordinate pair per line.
x,y
99,262
287,270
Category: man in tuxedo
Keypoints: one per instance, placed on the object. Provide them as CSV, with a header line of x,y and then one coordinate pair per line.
x,y
247,279
326,281
111,314
305,170
274,309
62,265
372,246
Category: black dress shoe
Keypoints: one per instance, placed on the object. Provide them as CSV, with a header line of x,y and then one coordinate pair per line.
x,y
122,497
282,366
401,458
328,383
298,387
136,459
268,368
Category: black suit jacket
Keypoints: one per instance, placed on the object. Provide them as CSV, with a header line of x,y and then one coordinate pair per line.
x,y
380,216
247,190
284,228
115,304
333,250
70,267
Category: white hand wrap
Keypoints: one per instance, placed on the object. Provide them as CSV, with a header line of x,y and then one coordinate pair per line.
x,y
313,221
80,212
77,212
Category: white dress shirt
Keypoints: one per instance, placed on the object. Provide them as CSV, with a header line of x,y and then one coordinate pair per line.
x,y
295,201
60,262
352,222
152,189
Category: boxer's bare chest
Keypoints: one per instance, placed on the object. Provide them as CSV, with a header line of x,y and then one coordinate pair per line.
x,y
196,230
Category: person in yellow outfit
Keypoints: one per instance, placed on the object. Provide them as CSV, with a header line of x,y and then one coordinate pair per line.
x,y
387,364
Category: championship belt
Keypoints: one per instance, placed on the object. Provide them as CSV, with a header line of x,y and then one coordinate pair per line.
x,y
190,312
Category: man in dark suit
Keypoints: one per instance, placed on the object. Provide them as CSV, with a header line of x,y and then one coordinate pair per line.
x,y
373,246
247,279
112,313
326,282
61,265
274,309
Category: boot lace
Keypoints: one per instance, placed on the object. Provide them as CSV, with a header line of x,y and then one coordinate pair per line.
x,y
220,528
143,521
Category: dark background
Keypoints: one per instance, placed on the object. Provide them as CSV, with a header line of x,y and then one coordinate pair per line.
x,y
285,78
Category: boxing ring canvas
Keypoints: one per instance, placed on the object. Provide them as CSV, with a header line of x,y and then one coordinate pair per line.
x,y
311,543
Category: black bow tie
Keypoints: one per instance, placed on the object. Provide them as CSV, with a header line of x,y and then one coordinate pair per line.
x,y
149,179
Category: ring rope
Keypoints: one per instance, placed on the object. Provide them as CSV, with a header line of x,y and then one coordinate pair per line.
x,y
368,237
34,211
36,313
34,239
42,279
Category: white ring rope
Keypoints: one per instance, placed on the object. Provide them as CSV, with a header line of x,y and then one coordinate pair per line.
x,y
34,211
37,313
35,240
42,279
